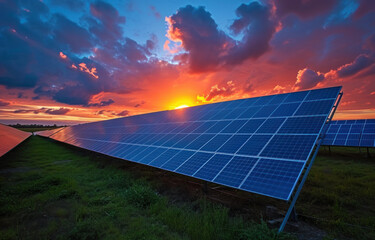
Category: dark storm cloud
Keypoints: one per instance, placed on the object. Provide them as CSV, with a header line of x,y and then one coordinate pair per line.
x,y
200,37
256,24
75,5
43,52
76,39
105,22
304,9
365,7
209,48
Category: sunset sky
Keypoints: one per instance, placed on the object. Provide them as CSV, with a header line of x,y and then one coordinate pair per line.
x,y
73,61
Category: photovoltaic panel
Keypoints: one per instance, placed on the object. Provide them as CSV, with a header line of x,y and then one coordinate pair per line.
x,y
259,145
48,133
354,133
10,138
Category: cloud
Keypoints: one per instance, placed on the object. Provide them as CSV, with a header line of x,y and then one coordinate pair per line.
x,y
208,48
199,35
51,111
218,92
361,62
256,23
307,78
106,22
123,113
103,103
139,104
60,111
74,5
278,89
304,9
365,7
70,35
3,103
155,12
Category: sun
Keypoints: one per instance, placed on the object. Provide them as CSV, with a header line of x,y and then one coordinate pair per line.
x,y
181,106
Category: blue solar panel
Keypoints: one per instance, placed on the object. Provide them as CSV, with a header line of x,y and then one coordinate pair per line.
x,y
268,174
257,144
354,133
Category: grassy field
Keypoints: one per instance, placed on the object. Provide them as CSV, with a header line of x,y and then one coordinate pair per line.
x,y
49,190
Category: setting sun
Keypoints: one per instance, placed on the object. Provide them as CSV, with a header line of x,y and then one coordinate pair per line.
x,y
181,106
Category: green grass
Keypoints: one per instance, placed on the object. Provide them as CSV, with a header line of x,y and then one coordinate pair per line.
x,y
51,191
340,193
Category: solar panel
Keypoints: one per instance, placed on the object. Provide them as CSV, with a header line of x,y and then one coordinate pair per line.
x,y
259,145
48,133
353,133
10,138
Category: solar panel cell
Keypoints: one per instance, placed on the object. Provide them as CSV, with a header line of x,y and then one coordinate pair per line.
x,y
251,126
219,125
295,97
314,108
193,164
271,125
200,141
308,125
285,110
322,94
254,145
234,126
215,143
268,174
233,144
177,160
164,157
235,171
213,167
280,147
265,111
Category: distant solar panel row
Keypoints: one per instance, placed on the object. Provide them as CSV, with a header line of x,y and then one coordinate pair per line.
x,y
48,133
259,145
355,133
10,138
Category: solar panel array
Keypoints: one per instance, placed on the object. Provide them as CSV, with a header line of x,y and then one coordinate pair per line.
x,y
48,133
354,133
10,138
259,145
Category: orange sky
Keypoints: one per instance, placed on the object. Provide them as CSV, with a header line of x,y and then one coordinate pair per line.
x,y
65,71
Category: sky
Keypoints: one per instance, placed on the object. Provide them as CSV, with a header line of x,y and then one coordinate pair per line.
x,y
72,61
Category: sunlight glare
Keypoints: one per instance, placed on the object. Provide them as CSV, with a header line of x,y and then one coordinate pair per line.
x,y
182,106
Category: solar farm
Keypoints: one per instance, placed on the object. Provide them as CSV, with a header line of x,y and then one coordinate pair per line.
x,y
256,152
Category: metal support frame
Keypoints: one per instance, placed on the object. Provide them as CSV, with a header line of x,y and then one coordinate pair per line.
x,y
368,152
295,197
